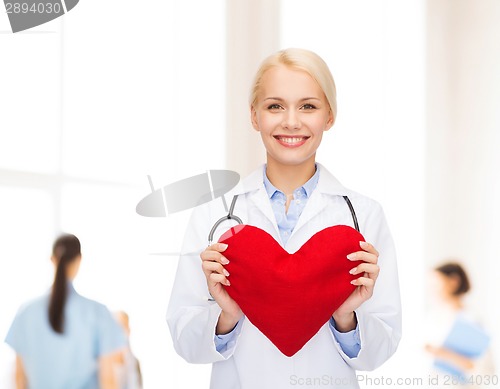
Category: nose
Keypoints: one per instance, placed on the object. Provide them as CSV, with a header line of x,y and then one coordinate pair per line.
x,y
291,120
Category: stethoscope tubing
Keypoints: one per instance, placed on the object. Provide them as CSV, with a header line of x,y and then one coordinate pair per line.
x,y
232,216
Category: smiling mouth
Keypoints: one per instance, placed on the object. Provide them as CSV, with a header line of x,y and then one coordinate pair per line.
x,y
291,141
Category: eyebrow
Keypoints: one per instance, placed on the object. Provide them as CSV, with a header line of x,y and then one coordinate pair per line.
x,y
280,99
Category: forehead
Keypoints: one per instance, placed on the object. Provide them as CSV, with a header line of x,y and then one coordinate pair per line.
x,y
284,81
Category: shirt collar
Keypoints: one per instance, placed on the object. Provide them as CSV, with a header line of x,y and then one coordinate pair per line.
x,y
308,187
328,184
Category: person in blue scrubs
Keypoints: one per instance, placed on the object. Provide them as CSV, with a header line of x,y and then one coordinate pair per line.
x,y
63,340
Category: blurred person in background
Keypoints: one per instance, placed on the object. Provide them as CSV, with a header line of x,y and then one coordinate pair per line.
x,y
128,367
458,343
63,340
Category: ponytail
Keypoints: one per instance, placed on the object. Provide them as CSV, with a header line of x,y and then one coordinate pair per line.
x,y
66,249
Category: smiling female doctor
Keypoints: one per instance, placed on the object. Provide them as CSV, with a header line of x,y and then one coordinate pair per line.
x,y
291,197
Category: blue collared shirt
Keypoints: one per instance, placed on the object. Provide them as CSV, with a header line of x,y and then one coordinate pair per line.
x,y
68,360
286,221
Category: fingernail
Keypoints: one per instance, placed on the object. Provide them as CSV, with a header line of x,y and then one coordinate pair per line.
x,y
351,256
352,271
222,246
224,260
228,283
226,273
364,245
353,282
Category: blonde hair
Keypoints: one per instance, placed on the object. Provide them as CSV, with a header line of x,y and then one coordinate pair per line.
x,y
300,59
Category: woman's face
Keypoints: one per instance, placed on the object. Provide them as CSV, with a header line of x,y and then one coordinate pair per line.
x,y
443,286
291,113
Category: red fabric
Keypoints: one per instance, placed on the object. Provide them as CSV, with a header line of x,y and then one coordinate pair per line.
x,y
289,297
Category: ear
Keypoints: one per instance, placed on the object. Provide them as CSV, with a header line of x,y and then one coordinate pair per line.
x,y
330,121
253,115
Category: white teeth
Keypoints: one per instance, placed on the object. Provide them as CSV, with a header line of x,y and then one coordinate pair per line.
x,y
291,140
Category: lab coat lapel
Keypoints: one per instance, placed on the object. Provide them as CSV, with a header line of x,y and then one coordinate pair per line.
x,y
259,211
261,201
314,206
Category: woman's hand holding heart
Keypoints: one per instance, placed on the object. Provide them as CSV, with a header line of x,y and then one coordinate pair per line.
x,y
213,266
345,319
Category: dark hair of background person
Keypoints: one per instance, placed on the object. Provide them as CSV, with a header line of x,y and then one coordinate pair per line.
x,y
454,270
65,250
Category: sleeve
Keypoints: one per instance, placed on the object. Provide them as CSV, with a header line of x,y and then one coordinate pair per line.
x,y
379,318
110,336
349,342
191,315
225,344
16,336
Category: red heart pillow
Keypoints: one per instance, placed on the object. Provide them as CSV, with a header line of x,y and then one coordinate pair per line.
x,y
289,297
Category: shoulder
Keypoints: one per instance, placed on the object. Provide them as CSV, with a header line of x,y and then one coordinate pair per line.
x,y
369,213
249,184
33,306
102,325
93,315
90,304
472,314
85,311
27,322
328,184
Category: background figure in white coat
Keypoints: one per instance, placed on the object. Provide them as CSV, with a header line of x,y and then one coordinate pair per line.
x,y
292,103
450,287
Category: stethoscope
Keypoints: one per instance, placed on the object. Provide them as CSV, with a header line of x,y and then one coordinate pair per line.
x,y
232,216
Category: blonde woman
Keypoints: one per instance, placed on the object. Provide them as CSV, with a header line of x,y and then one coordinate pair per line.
x,y
291,197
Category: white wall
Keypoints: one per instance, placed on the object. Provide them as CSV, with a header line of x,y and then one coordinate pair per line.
x,y
253,32
463,122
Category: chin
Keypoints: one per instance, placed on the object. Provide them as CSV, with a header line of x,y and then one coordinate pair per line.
x,y
292,161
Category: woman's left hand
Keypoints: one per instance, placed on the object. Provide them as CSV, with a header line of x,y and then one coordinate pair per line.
x,y
344,316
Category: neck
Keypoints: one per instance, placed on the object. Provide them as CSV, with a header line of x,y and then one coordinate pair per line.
x,y
287,178
455,303
72,269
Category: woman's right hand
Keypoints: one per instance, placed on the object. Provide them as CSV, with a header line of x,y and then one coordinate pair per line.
x,y
213,266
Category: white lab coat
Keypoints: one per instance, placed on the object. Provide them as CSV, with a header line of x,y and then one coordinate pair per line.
x,y
251,361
